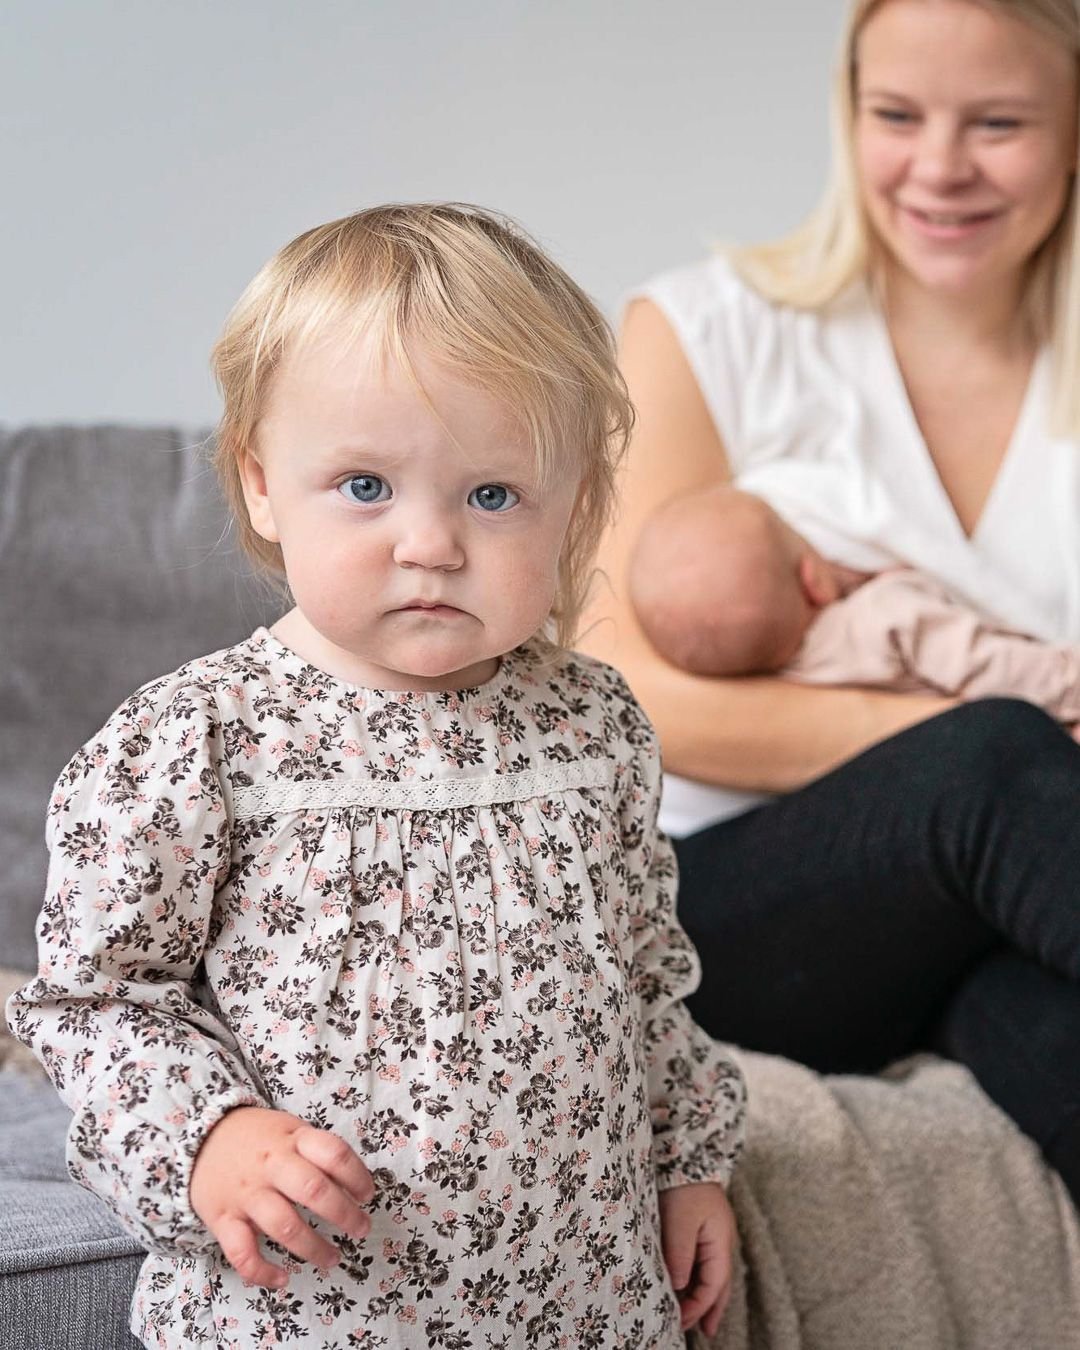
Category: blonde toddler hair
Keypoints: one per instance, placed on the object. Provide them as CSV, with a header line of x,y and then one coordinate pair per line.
x,y
833,247
480,298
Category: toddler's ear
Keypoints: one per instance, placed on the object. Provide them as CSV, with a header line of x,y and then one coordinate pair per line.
x,y
253,481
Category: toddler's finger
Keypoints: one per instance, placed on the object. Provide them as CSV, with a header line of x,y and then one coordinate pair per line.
x,y
711,1284
710,1323
239,1244
333,1155
278,1219
679,1246
693,1304
308,1185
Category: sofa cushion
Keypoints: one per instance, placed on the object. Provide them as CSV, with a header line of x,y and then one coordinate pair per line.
x,y
67,1269
118,565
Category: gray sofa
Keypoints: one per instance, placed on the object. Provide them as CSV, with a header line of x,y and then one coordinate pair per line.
x,y
116,565
898,1213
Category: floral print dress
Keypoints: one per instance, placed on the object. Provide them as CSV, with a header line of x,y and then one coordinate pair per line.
x,y
440,924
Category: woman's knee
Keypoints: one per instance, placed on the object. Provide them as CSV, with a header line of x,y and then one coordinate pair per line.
x,y
1003,744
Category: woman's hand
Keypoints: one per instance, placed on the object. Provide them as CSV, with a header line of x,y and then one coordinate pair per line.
x,y
699,1240
253,1169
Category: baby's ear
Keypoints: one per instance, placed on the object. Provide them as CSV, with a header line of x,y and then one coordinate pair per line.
x,y
817,580
256,497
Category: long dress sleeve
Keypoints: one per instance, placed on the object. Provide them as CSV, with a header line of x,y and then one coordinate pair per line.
x,y
697,1097
139,840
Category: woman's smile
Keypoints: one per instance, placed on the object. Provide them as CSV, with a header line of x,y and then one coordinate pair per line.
x,y
949,226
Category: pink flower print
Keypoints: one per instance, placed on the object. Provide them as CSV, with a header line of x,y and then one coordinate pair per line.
x,y
318,876
497,1139
532,844
279,747
352,749
449,1216
175,1117
426,1149
408,1314
390,1073
182,853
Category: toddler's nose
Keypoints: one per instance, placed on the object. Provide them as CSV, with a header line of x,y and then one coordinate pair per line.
x,y
429,543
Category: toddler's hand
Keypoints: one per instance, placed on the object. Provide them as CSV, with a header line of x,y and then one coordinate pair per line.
x,y
253,1169
699,1237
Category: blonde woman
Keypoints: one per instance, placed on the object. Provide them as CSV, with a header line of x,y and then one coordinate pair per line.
x,y
863,872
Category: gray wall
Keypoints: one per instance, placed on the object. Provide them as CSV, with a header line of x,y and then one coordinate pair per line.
x,y
153,153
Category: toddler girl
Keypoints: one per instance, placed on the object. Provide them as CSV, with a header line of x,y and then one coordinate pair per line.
x,y
369,913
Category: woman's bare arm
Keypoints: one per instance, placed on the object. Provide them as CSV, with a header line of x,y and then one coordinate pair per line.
x,y
760,733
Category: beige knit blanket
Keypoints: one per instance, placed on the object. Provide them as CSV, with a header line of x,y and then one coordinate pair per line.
x,y
896,1213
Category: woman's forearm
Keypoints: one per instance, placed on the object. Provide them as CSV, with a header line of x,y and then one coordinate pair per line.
x,y
761,733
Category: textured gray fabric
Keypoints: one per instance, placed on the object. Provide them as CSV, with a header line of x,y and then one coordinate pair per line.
x,y
895,1213
67,1269
116,565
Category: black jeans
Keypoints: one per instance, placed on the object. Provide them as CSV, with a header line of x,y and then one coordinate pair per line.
x,y
924,895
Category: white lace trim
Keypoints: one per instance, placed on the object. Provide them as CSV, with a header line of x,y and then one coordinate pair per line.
x,y
440,794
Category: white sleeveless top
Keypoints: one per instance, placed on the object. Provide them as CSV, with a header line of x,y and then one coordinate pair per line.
x,y
815,418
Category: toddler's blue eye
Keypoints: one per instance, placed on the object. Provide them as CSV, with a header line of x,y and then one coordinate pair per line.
x,y
366,488
493,497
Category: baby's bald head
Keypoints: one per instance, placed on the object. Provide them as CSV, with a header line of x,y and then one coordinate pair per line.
x,y
715,582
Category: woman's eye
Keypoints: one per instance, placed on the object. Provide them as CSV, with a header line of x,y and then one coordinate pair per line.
x,y
493,497
999,124
366,488
897,117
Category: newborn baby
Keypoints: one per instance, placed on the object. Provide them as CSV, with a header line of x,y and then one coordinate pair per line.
x,y
723,586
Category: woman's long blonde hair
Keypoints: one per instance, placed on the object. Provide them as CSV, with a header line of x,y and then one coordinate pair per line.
x,y
832,248
478,296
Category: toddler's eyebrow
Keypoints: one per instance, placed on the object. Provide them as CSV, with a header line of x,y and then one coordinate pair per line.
x,y
355,454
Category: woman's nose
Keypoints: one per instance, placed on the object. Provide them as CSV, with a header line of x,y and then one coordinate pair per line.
x,y
428,540
941,157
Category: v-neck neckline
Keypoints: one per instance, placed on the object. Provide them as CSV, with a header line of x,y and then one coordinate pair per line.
x,y
934,483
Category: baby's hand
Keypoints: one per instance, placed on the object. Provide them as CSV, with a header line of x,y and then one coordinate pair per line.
x,y
698,1232
253,1169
